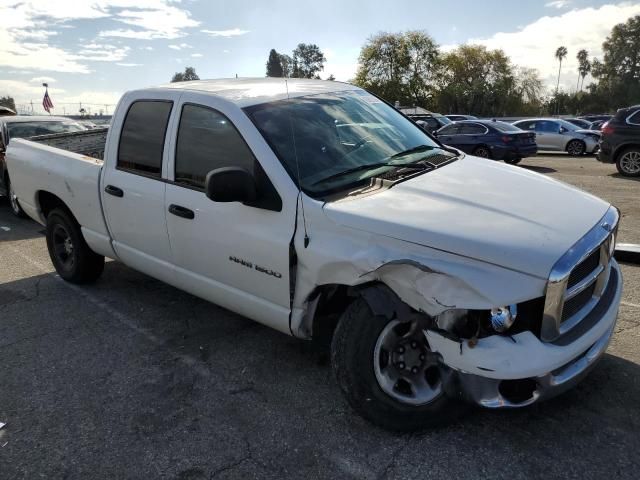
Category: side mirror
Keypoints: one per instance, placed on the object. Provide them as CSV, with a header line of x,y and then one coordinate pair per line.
x,y
563,130
230,184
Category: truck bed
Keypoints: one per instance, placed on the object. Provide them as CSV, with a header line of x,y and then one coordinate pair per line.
x,y
90,142
36,166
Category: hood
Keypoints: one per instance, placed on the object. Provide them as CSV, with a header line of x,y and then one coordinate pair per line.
x,y
489,211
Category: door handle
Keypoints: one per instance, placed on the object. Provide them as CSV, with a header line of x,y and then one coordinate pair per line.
x,y
179,211
115,191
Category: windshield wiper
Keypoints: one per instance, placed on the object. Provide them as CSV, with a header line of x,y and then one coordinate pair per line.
x,y
419,148
369,166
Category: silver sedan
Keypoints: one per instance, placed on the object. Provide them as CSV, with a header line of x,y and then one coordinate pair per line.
x,y
556,135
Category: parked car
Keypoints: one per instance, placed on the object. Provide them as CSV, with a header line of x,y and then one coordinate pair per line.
x,y
457,118
600,117
597,125
434,276
620,143
21,126
489,139
428,121
579,122
553,134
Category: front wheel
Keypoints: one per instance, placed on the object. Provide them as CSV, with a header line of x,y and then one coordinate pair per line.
x,y
512,161
576,148
628,163
388,373
72,258
16,209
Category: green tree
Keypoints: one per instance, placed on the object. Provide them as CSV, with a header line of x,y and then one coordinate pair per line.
x,y
287,64
399,66
186,76
274,65
308,60
584,67
561,53
476,80
8,102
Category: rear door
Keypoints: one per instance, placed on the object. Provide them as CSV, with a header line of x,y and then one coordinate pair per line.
x,y
233,254
134,190
549,136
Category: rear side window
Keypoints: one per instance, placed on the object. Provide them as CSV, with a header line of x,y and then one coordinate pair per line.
x,y
634,119
472,129
207,140
142,137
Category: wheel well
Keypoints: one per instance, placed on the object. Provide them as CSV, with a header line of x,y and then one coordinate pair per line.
x,y
332,300
48,201
623,148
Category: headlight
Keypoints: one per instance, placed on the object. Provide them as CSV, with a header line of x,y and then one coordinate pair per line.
x,y
503,317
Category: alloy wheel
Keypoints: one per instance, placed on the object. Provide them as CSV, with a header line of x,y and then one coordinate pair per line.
x,y
575,148
630,162
405,367
63,247
13,201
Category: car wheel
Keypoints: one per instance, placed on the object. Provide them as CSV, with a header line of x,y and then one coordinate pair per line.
x,y
628,163
513,161
576,148
388,373
16,209
482,152
72,258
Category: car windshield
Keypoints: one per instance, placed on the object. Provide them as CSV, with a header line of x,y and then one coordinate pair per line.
x,y
443,119
31,129
330,142
505,127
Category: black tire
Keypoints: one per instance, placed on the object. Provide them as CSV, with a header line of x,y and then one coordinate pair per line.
x,y
482,151
72,258
628,162
513,161
576,148
14,204
352,358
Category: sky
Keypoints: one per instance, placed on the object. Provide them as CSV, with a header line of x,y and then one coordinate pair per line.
x,y
92,51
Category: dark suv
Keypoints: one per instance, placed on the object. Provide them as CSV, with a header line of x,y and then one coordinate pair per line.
x,y
620,141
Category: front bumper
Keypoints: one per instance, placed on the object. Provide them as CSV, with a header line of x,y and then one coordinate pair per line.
x,y
489,373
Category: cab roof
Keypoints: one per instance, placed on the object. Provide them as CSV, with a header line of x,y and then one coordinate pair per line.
x,y
35,118
252,91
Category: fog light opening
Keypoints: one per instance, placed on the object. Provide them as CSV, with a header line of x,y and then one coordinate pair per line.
x,y
518,391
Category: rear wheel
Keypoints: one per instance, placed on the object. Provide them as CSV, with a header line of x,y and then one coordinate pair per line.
x,y
628,163
388,373
512,161
482,152
72,258
16,209
576,148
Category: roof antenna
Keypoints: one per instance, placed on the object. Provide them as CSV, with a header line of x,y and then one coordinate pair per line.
x,y
295,153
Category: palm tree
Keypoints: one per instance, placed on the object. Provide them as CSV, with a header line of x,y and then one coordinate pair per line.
x,y
561,53
584,66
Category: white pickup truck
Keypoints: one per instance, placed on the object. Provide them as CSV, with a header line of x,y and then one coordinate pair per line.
x,y
317,209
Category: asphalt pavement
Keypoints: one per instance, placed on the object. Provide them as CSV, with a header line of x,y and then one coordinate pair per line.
x,y
132,378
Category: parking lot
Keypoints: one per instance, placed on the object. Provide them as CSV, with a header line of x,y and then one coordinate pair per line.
x,y
132,378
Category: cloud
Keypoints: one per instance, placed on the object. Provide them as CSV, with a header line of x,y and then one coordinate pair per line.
x,y
129,64
28,28
234,32
180,46
196,55
103,53
559,4
43,80
534,45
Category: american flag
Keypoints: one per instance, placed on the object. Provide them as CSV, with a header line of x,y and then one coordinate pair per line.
x,y
47,104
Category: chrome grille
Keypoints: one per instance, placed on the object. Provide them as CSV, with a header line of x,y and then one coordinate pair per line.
x,y
579,278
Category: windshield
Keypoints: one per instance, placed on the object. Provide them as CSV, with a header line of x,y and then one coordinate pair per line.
x,y
568,125
340,139
31,129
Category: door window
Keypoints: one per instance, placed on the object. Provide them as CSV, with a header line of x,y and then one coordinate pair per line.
x,y
449,130
531,126
142,137
547,127
472,129
207,140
